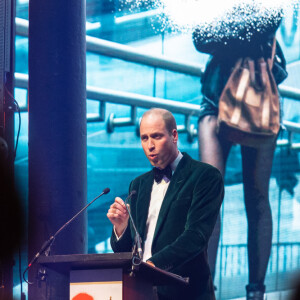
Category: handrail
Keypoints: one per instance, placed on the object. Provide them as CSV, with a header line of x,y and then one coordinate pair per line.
x,y
292,126
126,98
22,27
289,92
135,100
137,16
128,53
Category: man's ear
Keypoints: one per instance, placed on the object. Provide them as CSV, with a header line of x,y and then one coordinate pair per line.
x,y
175,135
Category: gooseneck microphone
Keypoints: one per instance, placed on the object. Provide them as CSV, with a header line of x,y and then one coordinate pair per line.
x,y
46,246
138,240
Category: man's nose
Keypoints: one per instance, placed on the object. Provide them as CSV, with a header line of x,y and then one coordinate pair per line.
x,y
150,144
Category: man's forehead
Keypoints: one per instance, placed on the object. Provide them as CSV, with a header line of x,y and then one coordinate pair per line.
x,y
153,119
152,127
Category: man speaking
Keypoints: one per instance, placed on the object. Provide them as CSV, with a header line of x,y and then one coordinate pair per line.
x,y
174,208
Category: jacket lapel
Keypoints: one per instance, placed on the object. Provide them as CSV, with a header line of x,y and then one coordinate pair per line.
x,y
143,202
180,175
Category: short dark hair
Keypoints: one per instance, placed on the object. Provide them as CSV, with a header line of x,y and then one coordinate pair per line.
x,y
167,116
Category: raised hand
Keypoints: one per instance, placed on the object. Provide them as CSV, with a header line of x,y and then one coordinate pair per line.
x,y
118,216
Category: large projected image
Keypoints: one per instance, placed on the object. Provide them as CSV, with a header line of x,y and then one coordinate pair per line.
x,y
177,55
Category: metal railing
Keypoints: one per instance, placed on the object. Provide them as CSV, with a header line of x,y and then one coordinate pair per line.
x,y
127,53
235,258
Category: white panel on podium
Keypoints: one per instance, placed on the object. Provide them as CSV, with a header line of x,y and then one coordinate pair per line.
x,y
104,284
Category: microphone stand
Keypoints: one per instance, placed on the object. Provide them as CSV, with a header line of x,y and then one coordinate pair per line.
x,y
137,253
47,245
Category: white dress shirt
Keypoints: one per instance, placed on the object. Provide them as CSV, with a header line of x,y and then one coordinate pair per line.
x,y
157,196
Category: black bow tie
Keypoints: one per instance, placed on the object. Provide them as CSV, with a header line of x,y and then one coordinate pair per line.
x,y
159,174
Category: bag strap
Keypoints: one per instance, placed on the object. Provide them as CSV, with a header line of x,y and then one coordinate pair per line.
x,y
251,66
271,60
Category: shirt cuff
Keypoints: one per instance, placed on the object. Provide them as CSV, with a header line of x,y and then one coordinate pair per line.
x,y
118,237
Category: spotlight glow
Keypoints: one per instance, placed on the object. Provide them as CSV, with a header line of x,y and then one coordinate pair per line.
x,y
219,17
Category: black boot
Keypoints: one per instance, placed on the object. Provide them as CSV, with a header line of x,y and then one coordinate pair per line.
x,y
255,291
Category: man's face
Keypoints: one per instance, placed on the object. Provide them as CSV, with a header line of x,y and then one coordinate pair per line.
x,y
159,146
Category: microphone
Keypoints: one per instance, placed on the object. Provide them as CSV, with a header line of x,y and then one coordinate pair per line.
x,y
104,192
138,240
50,241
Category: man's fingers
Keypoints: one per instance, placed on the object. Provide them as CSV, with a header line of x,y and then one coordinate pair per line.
x,y
117,210
113,216
116,213
119,204
120,201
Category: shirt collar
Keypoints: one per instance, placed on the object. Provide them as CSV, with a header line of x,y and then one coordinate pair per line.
x,y
175,163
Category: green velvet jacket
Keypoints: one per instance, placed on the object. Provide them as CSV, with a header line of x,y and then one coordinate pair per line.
x,y
185,223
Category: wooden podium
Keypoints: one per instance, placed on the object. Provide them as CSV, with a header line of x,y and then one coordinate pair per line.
x,y
70,276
